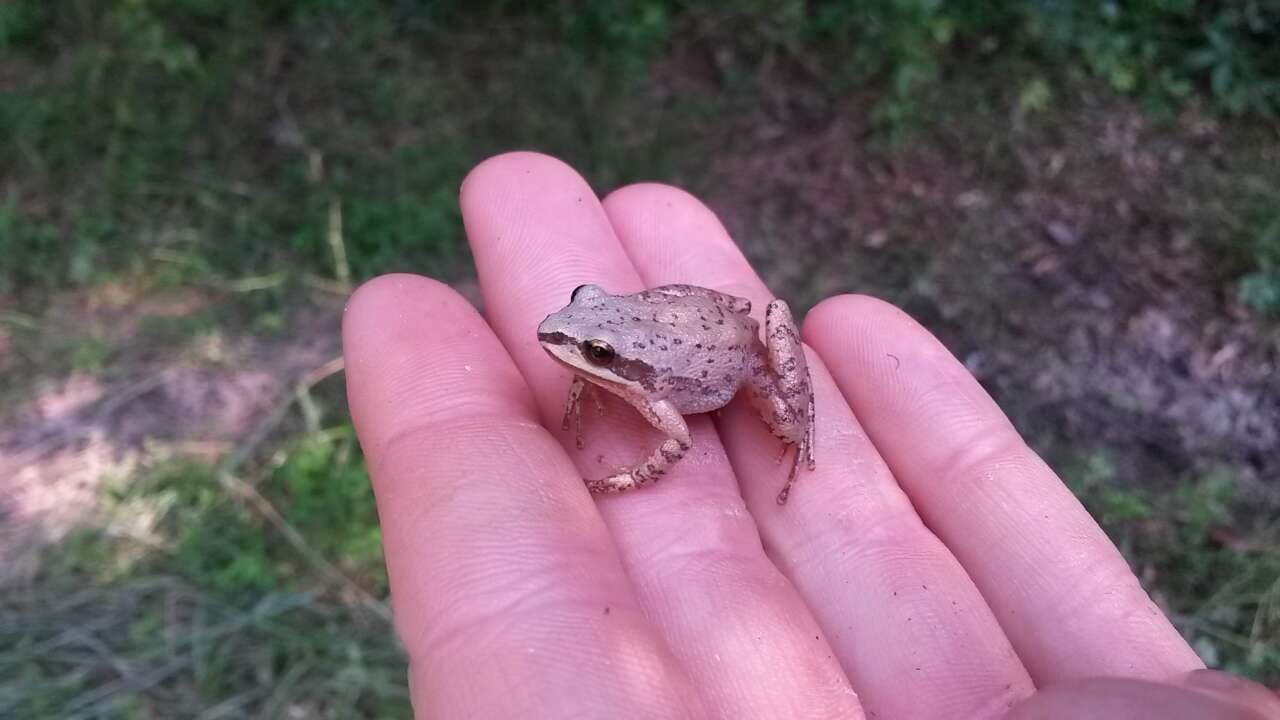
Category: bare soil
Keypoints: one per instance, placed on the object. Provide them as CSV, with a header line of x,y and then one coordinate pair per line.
x,y
1075,267
202,397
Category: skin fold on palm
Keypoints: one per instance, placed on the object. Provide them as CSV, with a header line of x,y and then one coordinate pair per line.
x,y
930,566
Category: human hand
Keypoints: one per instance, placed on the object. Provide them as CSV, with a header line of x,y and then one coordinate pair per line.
x,y
932,566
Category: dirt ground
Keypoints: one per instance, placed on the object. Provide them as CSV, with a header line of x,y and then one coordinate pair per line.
x,y
203,398
1070,267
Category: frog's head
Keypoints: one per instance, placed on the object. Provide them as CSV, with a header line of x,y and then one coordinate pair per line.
x,y
591,336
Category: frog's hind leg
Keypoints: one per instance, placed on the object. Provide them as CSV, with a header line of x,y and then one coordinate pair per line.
x,y
782,392
664,416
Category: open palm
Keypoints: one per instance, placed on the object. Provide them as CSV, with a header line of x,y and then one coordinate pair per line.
x,y
932,566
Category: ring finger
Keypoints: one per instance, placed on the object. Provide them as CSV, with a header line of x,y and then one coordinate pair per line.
x,y
912,631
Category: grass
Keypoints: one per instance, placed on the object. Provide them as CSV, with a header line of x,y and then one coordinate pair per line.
x,y
193,597
188,141
190,601
159,647
1211,561
255,151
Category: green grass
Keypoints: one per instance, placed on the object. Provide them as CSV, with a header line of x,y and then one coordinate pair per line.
x,y
172,142
159,647
1211,561
192,596
1259,252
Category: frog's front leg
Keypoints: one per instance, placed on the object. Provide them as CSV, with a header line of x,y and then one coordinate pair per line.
x,y
573,409
663,415
781,390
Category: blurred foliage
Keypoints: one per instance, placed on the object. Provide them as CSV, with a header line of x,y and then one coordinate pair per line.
x,y
1260,287
1165,50
246,137
228,130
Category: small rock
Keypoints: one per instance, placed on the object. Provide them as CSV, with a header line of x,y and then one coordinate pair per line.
x,y
1061,233
876,239
972,199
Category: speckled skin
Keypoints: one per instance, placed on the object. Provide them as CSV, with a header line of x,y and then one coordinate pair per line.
x,y
679,350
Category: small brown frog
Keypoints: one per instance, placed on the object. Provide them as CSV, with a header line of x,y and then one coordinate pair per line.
x,y
679,350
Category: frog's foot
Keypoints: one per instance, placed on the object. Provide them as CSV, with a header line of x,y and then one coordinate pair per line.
x,y
597,395
804,453
664,416
647,473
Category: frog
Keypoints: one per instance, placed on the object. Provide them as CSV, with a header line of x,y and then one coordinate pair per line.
x,y
680,350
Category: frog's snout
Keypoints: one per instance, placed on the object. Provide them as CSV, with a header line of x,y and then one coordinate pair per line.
x,y
550,332
546,329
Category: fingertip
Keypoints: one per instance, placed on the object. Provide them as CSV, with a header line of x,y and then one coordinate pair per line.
x,y
675,236
377,298
840,314
389,313
521,168
646,196
845,302
536,229
417,352
883,357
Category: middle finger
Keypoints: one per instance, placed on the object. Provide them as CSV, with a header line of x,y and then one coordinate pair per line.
x,y
690,548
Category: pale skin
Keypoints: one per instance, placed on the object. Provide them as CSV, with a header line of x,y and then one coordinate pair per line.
x,y
930,566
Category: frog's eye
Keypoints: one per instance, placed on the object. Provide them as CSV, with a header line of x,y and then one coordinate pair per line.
x,y
574,295
597,352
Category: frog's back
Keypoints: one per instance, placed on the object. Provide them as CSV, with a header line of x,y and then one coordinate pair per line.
x,y
716,348
693,293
